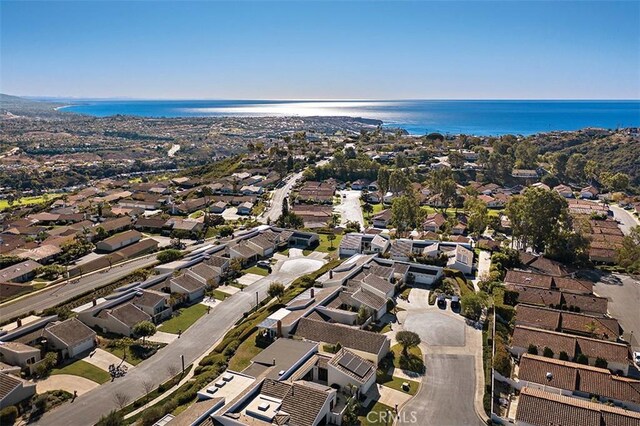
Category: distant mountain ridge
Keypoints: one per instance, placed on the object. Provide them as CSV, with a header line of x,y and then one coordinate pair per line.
x,y
15,105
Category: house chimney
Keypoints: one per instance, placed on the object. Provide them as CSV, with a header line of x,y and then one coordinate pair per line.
x,y
19,322
94,301
278,330
313,293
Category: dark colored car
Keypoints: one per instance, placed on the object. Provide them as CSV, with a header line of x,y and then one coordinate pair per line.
x,y
441,301
455,303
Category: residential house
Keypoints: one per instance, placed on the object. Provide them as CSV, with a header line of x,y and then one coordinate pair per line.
x,y
368,345
188,285
14,390
245,208
564,190
616,354
434,222
540,408
20,272
590,192
578,381
71,337
153,303
118,241
462,260
382,219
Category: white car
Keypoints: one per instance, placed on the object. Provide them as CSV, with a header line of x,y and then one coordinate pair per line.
x,y
636,358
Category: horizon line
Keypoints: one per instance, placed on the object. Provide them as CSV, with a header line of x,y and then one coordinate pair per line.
x,y
125,98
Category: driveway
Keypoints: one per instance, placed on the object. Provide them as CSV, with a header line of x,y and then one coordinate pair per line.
x,y
453,360
446,397
623,293
484,267
157,369
103,359
626,220
349,208
66,382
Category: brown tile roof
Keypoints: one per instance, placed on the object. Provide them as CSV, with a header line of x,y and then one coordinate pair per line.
x,y
348,337
302,401
558,342
573,285
534,316
568,322
578,377
71,331
528,279
536,296
149,298
539,408
586,303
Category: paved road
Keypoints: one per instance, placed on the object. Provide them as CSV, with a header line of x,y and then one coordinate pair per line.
x,y
349,207
274,210
446,397
51,297
623,293
453,359
625,219
194,342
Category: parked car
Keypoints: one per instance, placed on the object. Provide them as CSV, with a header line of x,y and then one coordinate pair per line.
x,y
441,301
455,302
264,264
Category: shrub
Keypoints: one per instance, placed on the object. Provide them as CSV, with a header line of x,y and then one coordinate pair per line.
x,y
601,363
8,415
150,416
114,418
532,349
169,406
169,255
186,397
547,352
563,356
231,348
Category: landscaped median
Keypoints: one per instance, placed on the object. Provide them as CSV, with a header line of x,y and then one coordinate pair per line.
x,y
212,365
183,319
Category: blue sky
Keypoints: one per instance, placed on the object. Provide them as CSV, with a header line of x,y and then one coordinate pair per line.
x,y
321,50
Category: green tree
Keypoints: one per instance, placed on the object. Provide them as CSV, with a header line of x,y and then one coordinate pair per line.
x,y
456,159
169,255
406,213
559,163
350,414
563,356
408,340
575,167
538,217
276,289
383,180
615,182
441,183
144,329
368,209
532,349
628,255
547,352
601,363
478,217
472,305
399,183
331,237
526,155
8,415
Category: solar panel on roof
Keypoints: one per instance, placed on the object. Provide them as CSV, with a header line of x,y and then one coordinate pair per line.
x,y
353,364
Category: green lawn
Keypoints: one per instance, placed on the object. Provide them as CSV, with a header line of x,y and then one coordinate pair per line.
x,y
185,318
84,369
247,350
196,214
220,295
396,383
256,270
25,201
379,415
414,363
325,244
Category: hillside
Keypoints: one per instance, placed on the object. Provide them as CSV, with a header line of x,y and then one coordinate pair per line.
x,y
14,105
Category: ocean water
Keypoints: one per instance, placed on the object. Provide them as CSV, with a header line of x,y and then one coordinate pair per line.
x,y
416,116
